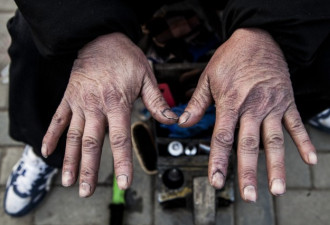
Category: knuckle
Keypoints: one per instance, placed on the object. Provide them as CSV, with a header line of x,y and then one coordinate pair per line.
x,y
88,172
156,100
92,103
58,119
114,100
296,125
199,101
74,136
91,98
122,164
119,139
249,145
274,141
248,174
306,141
224,138
156,103
110,97
90,144
69,161
219,161
232,112
278,166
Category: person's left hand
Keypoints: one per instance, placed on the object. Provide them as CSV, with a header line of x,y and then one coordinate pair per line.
x,y
249,80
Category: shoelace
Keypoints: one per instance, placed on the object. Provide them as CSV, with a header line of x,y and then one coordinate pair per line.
x,y
29,174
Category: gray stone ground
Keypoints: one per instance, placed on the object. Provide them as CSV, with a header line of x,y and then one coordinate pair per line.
x,y
307,200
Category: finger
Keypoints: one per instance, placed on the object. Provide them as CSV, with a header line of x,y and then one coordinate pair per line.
x,y
247,157
155,102
297,131
73,150
221,145
91,153
273,140
59,123
121,146
198,104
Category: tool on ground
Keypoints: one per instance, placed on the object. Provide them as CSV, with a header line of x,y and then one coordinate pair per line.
x,y
117,205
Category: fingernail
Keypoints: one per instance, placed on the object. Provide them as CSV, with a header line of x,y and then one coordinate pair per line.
x,y
169,114
184,117
277,187
122,181
44,150
218,180
67,179
84,190
312,158
250,193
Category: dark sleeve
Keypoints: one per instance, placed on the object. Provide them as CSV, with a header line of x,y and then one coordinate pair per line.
x,y
62,27
298,26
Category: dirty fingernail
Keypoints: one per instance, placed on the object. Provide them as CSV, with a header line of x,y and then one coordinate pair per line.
x,y
44,150
84,190
218,180
312,158
250,193
169,114
184,117
122,181
67,178
277,187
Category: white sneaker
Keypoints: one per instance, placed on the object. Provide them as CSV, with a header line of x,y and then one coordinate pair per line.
x,y
28,183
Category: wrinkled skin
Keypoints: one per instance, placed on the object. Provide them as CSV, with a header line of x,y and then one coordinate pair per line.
x,y
248,80
109,74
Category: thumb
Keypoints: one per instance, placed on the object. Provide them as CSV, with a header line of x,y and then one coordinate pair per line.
x,y
155,102
199,102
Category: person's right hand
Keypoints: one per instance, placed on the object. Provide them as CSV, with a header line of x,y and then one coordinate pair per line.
x,y
109,74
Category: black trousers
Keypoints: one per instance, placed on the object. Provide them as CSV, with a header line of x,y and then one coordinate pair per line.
x,y
37,85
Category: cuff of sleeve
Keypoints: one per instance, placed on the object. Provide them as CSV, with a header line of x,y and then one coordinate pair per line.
x,y
299,27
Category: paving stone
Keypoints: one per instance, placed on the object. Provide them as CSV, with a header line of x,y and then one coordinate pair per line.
x,y
4,37
225,215
178,216
320,139
4,136
297,172
0,161
175,216
303,207
7,5
7,220
9,158
106,167
3,95
262,211
321,171
182,215
64,206
139,201
139,198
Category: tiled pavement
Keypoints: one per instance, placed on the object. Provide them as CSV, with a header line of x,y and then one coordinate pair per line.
x,y
307,200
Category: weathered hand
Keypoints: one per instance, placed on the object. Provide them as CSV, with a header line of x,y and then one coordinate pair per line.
x,y
249,81
107,77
